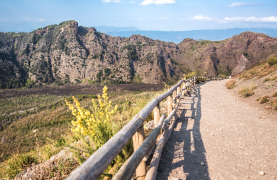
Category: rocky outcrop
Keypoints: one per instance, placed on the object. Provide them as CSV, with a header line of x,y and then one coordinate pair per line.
x,y
68,53
241,65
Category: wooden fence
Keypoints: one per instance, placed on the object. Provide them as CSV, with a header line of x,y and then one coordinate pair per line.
x,y
98,162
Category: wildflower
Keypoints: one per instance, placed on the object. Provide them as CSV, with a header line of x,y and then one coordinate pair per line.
x,y
94,121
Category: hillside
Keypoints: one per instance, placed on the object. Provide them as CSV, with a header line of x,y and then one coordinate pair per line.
x,y
68,53
258,85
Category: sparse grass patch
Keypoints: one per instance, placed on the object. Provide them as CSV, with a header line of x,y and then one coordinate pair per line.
x,y
247,90
264,99
273,102
266,79
230,84
190,75
259,71
274,77
19,163
136,79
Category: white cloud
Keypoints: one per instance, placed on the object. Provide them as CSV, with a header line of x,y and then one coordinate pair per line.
x,y
221,21
237,4
201,18
2,19
253,19
111,1
41,19
141,19
148,2
133,2
165,18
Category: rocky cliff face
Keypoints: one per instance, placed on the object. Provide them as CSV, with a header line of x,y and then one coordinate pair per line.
x,y
68,53
229,56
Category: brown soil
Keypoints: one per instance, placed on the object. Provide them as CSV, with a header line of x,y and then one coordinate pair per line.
x,y
77,89
219,135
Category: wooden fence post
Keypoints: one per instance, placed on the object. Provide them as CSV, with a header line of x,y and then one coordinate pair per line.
x,y
184,88
169,104
174,96
179,91
138,139
156,112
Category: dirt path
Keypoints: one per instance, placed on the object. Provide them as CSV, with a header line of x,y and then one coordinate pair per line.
x,y
218,136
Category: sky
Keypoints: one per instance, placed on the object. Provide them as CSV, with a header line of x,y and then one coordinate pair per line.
x,y
163,15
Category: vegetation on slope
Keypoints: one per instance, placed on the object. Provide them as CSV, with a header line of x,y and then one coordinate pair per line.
x,y
43,133
259,82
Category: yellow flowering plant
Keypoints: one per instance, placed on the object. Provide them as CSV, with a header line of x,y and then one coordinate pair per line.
x,y
96,121
93,127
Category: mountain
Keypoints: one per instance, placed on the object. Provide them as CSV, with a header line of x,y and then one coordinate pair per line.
x,y
178,36
68,53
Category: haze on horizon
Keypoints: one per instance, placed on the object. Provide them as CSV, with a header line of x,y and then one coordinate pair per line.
x,y
162,15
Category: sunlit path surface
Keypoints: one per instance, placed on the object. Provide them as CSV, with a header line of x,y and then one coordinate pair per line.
x,y
217,136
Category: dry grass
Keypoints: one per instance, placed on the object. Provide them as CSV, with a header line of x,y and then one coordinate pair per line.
x,y
247,91
259,71
264,99
273,102
230,84
51,124
274,94
53,127
266,79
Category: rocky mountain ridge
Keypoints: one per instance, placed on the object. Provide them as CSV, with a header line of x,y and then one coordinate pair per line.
x,y
68,53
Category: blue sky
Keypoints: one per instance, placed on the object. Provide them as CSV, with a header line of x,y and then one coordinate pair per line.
x,y
164,15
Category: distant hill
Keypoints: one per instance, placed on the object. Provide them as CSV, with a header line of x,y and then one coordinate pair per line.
x,y
68,53
178,36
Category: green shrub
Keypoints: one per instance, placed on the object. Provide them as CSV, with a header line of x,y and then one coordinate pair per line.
x,y
60,142
18,163
271,61
264,99
266,79
230,84
247,91
190,75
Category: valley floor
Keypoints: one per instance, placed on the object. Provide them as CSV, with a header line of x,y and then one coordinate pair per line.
x,y
219,135
77,89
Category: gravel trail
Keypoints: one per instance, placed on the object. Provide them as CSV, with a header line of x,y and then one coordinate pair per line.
x,y
219,136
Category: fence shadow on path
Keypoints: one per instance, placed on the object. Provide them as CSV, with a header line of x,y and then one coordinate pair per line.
x,y
184,151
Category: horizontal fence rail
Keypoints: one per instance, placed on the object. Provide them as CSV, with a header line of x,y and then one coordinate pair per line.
x,y
98,162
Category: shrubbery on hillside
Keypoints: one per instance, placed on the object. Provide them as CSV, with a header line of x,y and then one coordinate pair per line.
x,y
247,91
230,84
272,61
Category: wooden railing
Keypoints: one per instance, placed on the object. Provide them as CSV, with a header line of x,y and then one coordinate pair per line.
x,y
98,162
